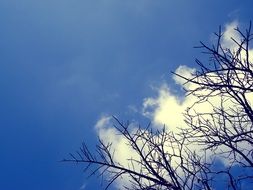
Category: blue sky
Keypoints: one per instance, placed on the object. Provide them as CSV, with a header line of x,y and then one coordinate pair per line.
x,y
63,64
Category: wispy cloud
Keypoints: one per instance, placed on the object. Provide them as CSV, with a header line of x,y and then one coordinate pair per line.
x,y
83,186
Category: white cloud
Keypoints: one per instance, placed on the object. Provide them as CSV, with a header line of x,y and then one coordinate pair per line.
x,y
123,152
185,71
229,34
109,134
168,108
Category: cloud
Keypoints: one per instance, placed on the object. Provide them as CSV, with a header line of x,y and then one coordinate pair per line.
x,y
109,134
123,151
83,186
167,108
229,34
185,71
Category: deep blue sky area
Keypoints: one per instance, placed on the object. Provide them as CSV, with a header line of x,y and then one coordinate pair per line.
x,y
65,63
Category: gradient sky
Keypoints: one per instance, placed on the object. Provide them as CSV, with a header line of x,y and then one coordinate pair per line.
x,y
65,63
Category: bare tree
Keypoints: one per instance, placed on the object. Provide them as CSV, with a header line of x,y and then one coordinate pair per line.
x,y
226,131
154,168
166,160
